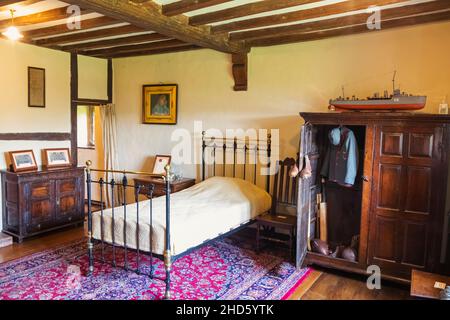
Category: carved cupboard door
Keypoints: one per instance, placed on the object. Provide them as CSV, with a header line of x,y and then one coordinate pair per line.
x,y
38,202
68,199
406,168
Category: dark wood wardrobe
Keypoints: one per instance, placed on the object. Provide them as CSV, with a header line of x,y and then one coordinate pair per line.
x,y
398,205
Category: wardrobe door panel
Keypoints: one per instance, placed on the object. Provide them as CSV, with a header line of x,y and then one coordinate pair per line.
x,y
392,144
421,145
404,205
418,190
385,239
389,184
414,245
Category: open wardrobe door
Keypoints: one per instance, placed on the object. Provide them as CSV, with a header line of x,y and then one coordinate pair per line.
x,y
308,187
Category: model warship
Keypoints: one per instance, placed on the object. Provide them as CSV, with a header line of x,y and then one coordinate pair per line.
x,y
395,101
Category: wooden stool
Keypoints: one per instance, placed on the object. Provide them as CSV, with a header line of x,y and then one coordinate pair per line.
x,y
270,223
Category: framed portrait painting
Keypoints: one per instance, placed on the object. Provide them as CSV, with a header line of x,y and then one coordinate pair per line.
x,y
23,160
160,104
57,158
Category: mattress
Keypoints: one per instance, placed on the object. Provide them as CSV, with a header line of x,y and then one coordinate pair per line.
x,y
198,214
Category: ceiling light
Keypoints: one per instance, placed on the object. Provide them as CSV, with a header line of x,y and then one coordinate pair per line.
x,y
12,32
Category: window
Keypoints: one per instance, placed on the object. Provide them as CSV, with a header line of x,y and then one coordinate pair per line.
x,y
86,131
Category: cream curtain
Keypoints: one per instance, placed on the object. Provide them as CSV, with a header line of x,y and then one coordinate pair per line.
x,y
111,159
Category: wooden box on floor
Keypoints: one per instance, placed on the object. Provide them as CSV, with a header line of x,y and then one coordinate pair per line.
x,y
37,202
397,205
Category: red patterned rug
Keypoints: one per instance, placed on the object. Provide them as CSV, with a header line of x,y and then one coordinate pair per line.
x,y
223,270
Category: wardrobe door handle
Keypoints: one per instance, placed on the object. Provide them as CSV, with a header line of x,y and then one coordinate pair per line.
x,y
365,179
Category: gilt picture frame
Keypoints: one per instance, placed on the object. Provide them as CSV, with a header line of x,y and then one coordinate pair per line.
x,y
36,87
22,160
160,104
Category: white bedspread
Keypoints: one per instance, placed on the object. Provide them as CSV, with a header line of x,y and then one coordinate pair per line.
x,y
200,213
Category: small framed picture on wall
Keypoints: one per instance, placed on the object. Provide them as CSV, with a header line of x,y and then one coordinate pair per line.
x,y
160,104
36,87
23,160
57,158
160,164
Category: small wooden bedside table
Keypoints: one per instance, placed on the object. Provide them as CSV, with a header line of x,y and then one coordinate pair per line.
x,y
281,221
422,284
175,186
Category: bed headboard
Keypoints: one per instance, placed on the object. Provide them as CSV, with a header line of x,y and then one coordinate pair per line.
x,y
236,157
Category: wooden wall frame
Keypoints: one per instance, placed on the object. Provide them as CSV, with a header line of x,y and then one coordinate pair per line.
x,y
75,101
36,136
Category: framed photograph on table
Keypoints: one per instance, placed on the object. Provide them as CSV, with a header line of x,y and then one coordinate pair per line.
x,y
160,104
23,160
160,164
36,87
57,158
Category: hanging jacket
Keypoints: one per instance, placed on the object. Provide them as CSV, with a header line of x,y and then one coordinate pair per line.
x,y
341,160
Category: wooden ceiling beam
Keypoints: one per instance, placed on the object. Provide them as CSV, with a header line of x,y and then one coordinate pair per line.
x,y
187,47
8,2
183,6
40,17
4,3
174,43
88,35
245,10
356,19
148,16
115,42
402,22
337,8
62,28
240,71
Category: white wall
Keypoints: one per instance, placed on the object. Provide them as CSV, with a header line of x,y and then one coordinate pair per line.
x,y
15,115
92,78
283,81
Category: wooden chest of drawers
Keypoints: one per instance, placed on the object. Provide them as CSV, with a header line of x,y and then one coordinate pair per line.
x,y
36,202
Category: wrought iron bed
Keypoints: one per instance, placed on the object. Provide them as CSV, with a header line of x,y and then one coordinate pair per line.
x,y
246,146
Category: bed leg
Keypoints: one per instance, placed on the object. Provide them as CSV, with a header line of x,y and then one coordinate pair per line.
x,y
168,267
167,252
90,244
91,254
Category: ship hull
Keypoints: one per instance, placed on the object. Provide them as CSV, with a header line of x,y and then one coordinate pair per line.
x,y
379,106
395,103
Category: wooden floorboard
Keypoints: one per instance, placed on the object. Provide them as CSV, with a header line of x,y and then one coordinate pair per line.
x,y
52,240
333,285
322,284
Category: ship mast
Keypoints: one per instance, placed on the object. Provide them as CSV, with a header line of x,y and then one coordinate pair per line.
x,y
393,82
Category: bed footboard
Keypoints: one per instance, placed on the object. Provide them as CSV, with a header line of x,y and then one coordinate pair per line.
x,y
124,186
